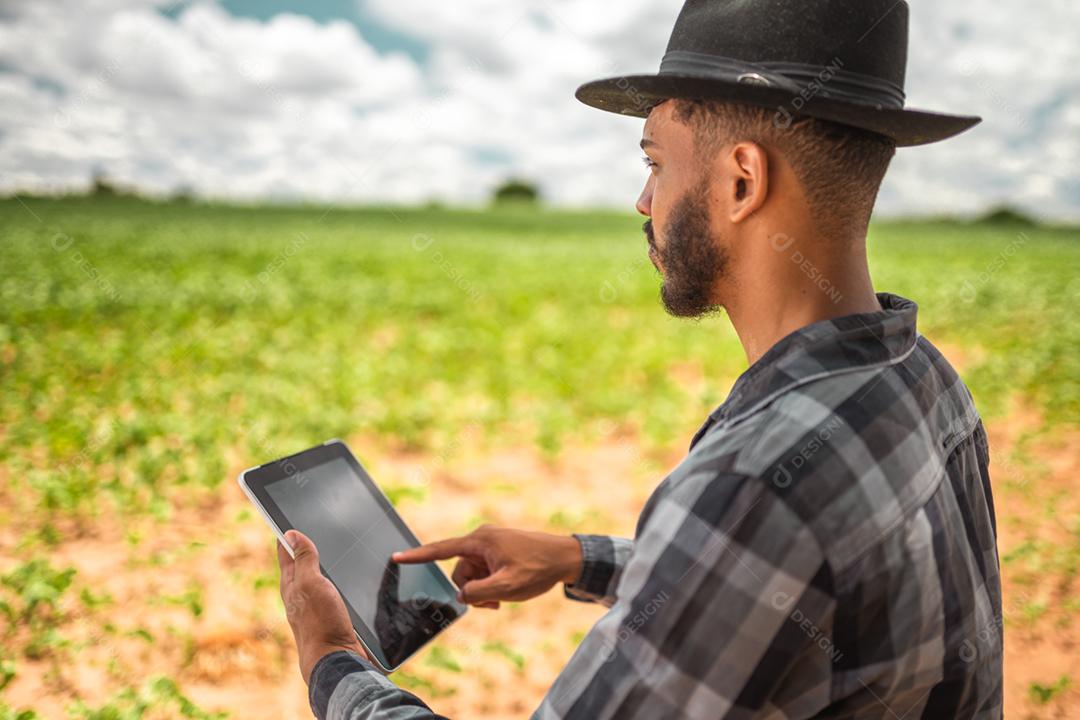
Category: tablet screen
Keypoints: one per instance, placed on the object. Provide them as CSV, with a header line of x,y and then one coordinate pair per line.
x,y
355,530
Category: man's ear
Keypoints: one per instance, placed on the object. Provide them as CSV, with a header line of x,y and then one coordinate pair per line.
x,y
748,184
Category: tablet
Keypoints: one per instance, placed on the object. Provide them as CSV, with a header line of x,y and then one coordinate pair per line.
x,y
326,494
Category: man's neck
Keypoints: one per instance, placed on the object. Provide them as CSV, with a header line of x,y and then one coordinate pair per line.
x,y
796,286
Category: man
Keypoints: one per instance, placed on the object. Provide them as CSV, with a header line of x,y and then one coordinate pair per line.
x,y
827,547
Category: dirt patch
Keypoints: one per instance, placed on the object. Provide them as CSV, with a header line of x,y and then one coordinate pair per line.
x,y
1038,508
196,598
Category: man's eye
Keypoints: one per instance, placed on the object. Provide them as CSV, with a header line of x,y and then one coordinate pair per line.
x,y
649,162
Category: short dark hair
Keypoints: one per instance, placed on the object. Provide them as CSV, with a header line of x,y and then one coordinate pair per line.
x,y
840,167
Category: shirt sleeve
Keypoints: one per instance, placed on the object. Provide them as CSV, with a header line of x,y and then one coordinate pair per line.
x,y
603,560
725,609
344,686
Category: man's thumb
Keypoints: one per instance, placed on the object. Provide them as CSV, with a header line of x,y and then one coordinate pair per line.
x,y
305,554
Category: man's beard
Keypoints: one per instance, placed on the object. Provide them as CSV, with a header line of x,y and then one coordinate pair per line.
x,y
691,258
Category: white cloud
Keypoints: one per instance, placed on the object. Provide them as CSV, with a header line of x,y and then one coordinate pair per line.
x,y
289,107
227,106
1014,68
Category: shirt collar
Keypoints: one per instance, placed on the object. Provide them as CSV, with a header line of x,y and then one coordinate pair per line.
x,y
828,347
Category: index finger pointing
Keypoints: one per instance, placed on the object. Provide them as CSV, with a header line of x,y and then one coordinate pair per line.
x,y
441,550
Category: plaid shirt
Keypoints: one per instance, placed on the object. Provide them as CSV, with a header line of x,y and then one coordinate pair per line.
x,y
826,549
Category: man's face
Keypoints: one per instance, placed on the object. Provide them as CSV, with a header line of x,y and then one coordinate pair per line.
x,y
683,244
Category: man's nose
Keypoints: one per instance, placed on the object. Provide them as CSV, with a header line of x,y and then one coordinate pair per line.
x,y
644,201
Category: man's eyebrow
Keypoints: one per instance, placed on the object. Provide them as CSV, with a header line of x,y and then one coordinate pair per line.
x,y
646,143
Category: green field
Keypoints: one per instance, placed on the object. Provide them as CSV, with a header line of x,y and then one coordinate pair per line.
x,y
145,347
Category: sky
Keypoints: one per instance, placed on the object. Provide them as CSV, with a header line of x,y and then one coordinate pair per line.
x,y
411,101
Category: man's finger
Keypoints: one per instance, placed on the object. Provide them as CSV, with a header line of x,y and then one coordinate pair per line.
x,y
485,590
466,569
462,573
305,554
441,550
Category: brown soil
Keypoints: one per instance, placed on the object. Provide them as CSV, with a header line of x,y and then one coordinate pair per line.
x,y
237,653
1035,483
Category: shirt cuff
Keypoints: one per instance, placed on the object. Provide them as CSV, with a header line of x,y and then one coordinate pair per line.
x,y
331,670
598,568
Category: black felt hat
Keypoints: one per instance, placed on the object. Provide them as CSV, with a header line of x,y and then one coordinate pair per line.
x,y
838,60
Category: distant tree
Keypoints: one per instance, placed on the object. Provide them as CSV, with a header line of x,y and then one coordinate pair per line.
x,y
102,186
1005,215
516,190
184,194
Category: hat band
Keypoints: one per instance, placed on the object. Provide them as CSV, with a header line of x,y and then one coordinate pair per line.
x,y
831,82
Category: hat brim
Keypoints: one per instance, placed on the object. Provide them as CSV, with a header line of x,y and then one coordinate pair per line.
x,y
636,95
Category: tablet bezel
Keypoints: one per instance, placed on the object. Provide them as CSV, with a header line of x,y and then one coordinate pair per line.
x,y
253,482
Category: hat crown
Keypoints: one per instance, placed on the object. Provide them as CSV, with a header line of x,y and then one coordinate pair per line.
x,y
868,37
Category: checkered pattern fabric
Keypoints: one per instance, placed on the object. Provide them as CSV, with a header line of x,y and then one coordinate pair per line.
x,y
827,548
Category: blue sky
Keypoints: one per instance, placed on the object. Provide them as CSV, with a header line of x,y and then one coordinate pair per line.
x,y
381,37
414,100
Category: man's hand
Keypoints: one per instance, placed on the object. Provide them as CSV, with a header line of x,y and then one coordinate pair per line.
x,y
318,618
503,564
